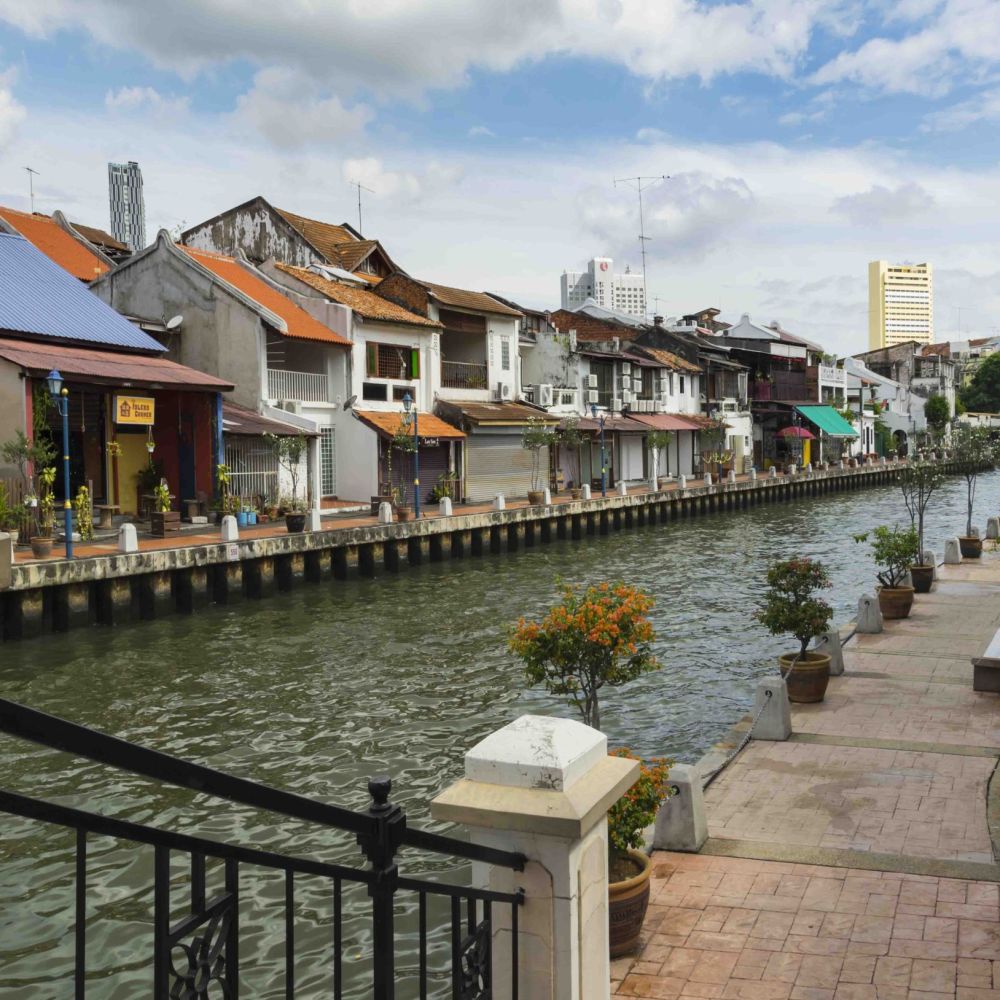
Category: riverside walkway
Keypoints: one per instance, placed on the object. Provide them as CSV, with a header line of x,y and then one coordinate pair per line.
x,y
856,860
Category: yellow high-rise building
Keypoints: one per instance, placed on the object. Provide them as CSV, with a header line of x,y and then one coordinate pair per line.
x,y
900,304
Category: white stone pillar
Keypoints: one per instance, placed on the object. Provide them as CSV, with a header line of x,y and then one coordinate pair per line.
x,y
230,530
869,616
930,559
542,787
993,527
314,520
829,645
952,552
731,476
753,474
6,559
444,507
772,473
708,478
547,496
681,822
622,489
771,710
499,502
128,541
585,491
682,482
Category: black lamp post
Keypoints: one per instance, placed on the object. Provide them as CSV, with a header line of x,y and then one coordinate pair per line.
x,y
60,399
407,404
601,417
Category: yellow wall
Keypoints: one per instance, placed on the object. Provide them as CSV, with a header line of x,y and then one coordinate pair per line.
x,y
134,457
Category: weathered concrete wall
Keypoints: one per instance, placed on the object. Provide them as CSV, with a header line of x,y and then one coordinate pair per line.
x,y
256,230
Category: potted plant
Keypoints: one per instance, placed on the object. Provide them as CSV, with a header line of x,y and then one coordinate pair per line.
x,y
629,867
535,436
571,438
403,510
657,442
41,544
973,452
919,480
162,519
790,607
895,551
10,514
84,514
289,449
593,638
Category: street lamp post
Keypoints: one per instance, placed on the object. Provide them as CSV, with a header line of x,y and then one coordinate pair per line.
x,y
60,398
604,461
407,404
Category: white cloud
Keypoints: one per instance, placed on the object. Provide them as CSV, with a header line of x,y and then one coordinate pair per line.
x,y
984,107
145,99
481,130
884,204
11,112
800,117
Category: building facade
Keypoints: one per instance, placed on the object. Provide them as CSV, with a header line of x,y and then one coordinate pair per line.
x,y
624,293
900,304
128,207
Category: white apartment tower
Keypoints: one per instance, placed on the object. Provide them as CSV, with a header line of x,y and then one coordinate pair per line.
x,y
128,208
623,293
900,304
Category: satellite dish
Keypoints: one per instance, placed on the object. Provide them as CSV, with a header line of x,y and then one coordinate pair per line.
x,y
351,400
174,322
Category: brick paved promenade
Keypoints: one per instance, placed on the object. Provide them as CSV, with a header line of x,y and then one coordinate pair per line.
x,y
855,861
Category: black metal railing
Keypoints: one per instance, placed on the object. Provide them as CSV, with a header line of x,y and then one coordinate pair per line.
x,y
197,956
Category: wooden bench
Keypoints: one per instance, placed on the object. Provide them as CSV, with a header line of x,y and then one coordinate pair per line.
x,y
107,512
986,668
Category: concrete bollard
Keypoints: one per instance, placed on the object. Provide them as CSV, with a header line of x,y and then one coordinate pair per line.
x,y
314,522
128,540
682,482
499,502
771,701
869,616
681,822
993,527
230,531
772,473
841,465
547,496
444,507
809,469
621,489
930,559
975,531
829,645
585,491
653,486
708,478
753,474
793,469
385,512
731,476
6,560
952,552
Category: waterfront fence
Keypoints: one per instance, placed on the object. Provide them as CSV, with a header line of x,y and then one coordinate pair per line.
x,y
253,467
198,955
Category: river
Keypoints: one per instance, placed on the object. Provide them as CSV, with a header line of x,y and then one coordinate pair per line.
x,y
316,689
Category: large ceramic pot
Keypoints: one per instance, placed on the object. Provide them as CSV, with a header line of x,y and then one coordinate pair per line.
x,y
404,513
627,902
41,546
295,521
895,602
536,497
923,577
972,547
807,680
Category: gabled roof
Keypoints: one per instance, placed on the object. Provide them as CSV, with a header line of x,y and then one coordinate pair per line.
x,y
461,298
388,422
38,298
56,243
100,238
670,360
340,245
299,324
362,301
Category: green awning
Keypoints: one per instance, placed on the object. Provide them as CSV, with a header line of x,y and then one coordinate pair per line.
x,y
828,420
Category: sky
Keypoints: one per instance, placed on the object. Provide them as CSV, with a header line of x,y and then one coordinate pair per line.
x,y
799,139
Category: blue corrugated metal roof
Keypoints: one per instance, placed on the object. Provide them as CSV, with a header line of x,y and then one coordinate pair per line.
x,y
39,298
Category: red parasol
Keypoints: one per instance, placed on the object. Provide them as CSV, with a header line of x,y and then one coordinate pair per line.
x,y
796,432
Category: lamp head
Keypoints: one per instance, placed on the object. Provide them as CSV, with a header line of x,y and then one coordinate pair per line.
x,y
407,402
593,410
54,381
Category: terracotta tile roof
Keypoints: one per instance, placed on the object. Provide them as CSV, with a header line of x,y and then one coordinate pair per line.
x,y
58,245
99,237
362,301
353,253
497,413
943,350
371,279
322,235
670,360
387,422
107,366
667,421
300,324
464,299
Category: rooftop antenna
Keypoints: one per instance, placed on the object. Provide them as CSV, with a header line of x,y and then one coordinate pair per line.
x,y
638,185
31,187
360,188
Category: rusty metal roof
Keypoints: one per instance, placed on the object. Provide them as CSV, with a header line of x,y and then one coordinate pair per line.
x,y
239,420
497,414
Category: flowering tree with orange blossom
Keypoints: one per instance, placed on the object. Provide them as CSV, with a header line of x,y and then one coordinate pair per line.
x,y
594,637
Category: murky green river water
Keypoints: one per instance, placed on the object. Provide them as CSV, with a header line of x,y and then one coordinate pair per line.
x,y
315,690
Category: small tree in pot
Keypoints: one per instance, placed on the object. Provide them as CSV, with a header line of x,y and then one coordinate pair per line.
x,y
895,551
404,442
536,436
658,441
974,452
289,449
790,607
919,481
570,438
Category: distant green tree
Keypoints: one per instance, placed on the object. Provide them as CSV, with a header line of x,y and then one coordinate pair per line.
x,y
982,394
938,413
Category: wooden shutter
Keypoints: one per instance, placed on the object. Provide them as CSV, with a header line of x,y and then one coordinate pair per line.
x,y
415,363
371,359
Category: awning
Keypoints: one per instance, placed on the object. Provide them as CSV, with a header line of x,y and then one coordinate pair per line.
x,y
828,420
112,368
505,414
387,422
238,420
666,422
623,425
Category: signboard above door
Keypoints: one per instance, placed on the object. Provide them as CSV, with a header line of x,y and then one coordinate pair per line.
x,y
135,410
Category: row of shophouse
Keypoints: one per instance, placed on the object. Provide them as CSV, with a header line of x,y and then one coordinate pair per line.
x,y
262,322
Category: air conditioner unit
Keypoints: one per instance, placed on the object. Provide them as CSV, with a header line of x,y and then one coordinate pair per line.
x,y
626,368
645,406
659,407
626,396
616,403
544,395
637,385
504,393
592,381
592,396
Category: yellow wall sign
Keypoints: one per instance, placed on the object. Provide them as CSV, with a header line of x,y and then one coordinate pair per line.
x,y
135,410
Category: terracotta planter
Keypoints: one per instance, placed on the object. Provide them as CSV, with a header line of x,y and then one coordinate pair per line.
x,y
661,483
295,521
574,494
923,577
971,546
41,547
895,602
536,497
627,902
807,682
404,513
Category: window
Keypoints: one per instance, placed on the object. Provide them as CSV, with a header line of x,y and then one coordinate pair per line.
x,y
605,373
392,361
681,384
374,390
647,383
505,354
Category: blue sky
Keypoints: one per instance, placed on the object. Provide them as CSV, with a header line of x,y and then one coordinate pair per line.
x,y
802,137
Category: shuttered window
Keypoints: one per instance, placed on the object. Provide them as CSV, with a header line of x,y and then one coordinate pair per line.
x,y
392,361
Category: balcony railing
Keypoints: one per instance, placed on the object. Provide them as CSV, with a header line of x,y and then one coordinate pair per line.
x,y
830,375
463,375
305,387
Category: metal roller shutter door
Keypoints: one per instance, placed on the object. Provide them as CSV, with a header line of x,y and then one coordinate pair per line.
x,y
433,463
498,464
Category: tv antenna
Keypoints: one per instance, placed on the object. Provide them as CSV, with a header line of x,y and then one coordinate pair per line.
x,y
31,187
640,184
360,188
